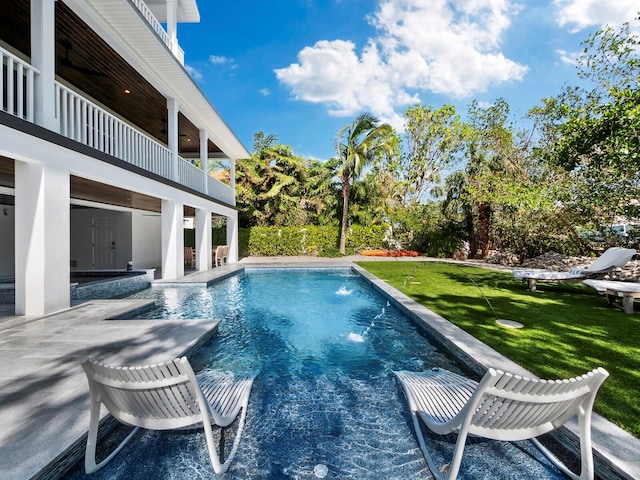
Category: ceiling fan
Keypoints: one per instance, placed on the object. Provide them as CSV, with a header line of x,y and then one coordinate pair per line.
x,y
67,63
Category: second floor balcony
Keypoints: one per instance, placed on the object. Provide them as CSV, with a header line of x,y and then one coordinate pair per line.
x,y
101,100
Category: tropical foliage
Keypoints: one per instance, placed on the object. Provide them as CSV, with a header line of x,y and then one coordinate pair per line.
x,y
527,185
358,145
275,187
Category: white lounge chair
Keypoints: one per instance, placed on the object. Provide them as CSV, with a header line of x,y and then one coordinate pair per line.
x,y
165,396
611,258
501,407
625,292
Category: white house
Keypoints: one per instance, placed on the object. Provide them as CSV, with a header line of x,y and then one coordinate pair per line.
x,y
102,134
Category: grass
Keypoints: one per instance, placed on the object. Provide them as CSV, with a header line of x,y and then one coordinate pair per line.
x,y
569,328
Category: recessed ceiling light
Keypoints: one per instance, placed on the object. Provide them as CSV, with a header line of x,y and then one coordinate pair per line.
x,y
127,91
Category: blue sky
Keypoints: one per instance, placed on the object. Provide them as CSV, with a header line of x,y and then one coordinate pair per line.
x,y
301,69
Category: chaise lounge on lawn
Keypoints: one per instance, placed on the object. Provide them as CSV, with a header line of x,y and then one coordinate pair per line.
x,y
610,259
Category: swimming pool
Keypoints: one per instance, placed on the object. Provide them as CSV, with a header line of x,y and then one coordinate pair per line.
x,y
325,343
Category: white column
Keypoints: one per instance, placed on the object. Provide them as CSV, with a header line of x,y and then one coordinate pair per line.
x,y
232,177
172,24
232,238
204,158
43,59
203,239
42,239
172,135
172,240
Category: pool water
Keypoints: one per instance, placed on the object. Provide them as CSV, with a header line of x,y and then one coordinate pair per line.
x,y
325,400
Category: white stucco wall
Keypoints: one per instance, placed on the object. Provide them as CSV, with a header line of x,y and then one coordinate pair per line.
x,y
146,240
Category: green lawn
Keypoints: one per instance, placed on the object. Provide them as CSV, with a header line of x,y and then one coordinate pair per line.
x,y
569,329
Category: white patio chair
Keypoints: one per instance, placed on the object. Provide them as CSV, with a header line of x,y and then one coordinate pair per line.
x,y
220,255
165,396
502,406
611,258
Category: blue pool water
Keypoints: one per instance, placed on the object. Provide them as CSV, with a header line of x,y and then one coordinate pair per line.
x,y
325,344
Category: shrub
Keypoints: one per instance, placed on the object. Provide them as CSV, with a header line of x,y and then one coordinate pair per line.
x,y
308,240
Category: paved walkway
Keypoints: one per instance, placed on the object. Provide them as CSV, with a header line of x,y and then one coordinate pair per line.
x,y
44,399
44,395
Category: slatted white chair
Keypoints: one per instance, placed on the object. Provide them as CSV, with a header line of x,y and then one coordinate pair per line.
x,y
165,396
611,258
502,406
220,254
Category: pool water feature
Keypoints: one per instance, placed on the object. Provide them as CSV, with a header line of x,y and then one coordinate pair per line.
x,y
322,405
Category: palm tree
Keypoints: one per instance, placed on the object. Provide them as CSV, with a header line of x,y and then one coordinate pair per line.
x,y
358,144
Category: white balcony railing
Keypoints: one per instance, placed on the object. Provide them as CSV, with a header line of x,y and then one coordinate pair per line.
x,y
158,28
16,86
85,122
221,191
190,175
93,126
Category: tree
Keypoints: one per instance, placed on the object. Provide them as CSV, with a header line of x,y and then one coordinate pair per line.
x,y
276,187
594,131
490,151
433,138
359,144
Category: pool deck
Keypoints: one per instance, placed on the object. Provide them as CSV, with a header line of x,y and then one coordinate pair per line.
x,y
44,405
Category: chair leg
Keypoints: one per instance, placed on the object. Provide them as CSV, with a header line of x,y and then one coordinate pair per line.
x,y
432,465
213,450
90,465
586,451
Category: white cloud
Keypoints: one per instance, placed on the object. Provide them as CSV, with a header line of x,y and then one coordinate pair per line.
x,y
447,47
264,92
219,60
569,58
581,14
195,74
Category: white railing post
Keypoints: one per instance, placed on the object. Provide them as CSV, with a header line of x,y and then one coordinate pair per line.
x,y
204,158
10,83
172,23
172,136
30,95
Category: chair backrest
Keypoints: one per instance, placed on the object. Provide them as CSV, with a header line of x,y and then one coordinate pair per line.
x,y
510,407
188,255
157,397
612,257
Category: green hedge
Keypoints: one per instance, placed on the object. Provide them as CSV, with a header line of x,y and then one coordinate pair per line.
x,y
309,240
218,235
